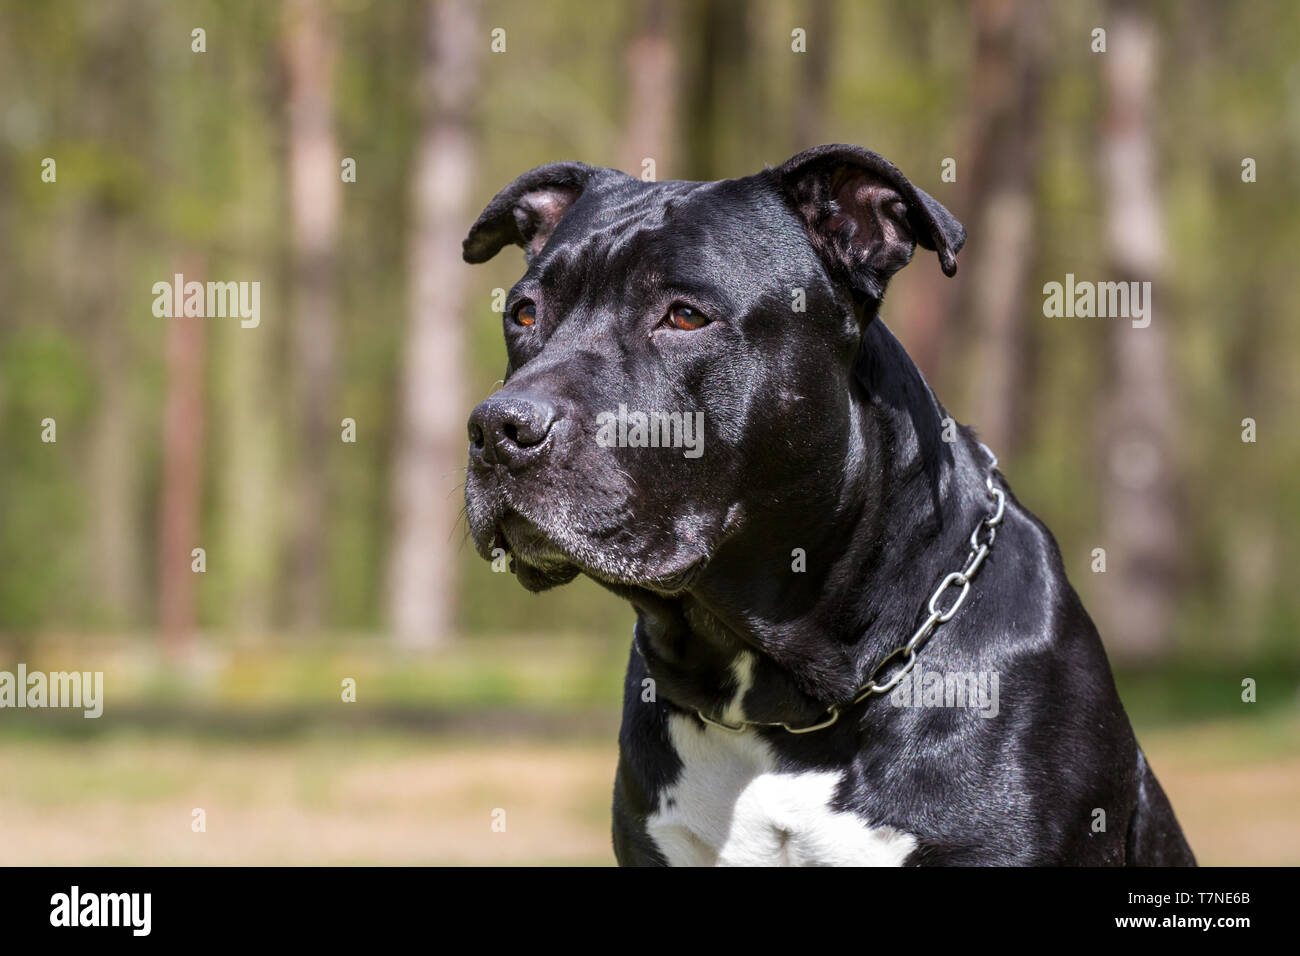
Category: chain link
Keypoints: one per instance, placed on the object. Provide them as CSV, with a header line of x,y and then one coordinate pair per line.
x,y
979,549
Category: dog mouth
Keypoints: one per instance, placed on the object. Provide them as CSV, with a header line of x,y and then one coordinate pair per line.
x,y
540,560
678,581
524,541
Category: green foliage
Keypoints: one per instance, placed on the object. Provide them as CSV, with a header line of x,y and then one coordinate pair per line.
x,y
164,153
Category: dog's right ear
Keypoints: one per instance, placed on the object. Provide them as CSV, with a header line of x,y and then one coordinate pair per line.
x,y
527,211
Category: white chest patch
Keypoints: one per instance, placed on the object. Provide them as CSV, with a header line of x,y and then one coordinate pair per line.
x,y
731,806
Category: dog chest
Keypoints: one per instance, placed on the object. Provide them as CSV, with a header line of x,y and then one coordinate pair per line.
x,y
732,806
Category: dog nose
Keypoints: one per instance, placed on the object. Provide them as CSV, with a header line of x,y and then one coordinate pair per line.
x,y
510,430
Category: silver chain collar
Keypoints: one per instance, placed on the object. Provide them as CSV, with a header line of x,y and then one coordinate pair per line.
x,y
979,550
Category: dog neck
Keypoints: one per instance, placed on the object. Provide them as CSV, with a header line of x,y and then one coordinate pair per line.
x,y
872,553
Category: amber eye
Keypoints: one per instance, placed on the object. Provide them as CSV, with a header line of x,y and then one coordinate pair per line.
x,y
525,313
685,318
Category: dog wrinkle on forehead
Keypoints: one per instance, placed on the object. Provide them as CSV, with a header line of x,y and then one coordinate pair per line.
x,y
640,245
616,212
591,263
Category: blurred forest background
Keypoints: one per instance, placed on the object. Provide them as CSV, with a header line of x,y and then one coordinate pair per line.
x,y
336,151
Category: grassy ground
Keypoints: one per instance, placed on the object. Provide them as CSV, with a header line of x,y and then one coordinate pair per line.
x,y
417,770
371,800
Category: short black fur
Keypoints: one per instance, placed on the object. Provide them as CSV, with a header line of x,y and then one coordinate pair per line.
x,y
820,434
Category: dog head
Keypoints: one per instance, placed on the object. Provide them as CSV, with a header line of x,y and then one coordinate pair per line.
x,y
680,358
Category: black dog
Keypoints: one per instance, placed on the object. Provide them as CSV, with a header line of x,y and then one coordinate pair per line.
x,y
853,645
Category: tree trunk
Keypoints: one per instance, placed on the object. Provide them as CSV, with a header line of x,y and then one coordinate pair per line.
x,y
1139,514
651,101
1000,182
723,114
814,77
182,477
431,444
101,250
115,470
314,194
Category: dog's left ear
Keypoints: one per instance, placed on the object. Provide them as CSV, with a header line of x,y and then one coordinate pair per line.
x,y
864,217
